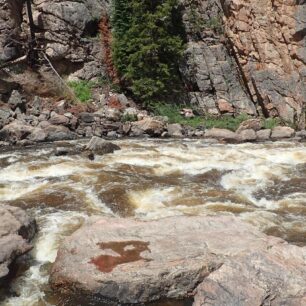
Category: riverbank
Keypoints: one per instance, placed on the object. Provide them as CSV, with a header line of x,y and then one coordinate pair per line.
x,y
25,124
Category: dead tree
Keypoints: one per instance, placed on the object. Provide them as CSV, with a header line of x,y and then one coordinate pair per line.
x,y
32,56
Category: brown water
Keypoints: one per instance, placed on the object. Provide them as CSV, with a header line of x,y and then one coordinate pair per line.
x,y
264,184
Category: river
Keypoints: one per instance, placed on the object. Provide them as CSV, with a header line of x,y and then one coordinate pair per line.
x,y
263,184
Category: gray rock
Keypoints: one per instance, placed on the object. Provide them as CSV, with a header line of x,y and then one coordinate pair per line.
x,y
59,132
175,130
128,261
87,117
16,130
16,100
112,114
222,134
247,135
263,135
280,132
16,231
301,134
100,146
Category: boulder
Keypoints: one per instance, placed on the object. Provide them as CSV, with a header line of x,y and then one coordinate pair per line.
x,y
16,231
226,262
113,114
263,135
57,119
247,135
150,126
16,130
223,134
253,124
175,130
301,134
280,132
100,146
59,132
87,117
16,100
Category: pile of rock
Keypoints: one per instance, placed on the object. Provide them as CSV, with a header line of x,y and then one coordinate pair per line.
x,y
219,260
27,123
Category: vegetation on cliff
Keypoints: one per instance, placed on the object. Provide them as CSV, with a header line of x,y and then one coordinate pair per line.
x,y
148,42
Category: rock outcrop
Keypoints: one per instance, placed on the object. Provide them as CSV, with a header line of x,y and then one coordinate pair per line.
x,y
226,262
241,57
268,38
16,231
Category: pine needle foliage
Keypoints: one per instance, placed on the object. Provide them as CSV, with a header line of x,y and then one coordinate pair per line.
x,y
148,43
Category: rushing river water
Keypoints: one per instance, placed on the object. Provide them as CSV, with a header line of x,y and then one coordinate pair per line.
x,y
264,184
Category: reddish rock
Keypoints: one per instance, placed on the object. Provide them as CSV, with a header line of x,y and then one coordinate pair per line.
x,y
253,124
225,107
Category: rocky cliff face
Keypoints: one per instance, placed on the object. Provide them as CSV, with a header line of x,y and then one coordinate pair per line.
x,y
268,39
242,56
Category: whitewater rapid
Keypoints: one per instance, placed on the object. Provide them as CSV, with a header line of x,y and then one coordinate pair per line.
x,y
264,184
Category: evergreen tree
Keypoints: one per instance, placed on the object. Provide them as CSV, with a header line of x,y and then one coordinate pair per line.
x,y
148,44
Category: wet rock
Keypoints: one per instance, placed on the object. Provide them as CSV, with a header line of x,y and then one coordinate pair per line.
x,y
16,230
175,130
253,124
129,261
280,132
100,146
222,134
247,135
263,135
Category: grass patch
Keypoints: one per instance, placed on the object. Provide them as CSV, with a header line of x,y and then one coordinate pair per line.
x,y
271,123
82,90
173,113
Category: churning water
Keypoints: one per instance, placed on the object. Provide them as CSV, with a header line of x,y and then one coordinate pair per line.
x,y
264,184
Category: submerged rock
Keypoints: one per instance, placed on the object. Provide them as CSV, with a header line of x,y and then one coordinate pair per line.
x,y
128,261
16,230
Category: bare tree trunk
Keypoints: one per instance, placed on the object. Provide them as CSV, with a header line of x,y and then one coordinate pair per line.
x,y
32,52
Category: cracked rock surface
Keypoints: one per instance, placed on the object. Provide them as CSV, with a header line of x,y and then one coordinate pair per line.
x,y
219,259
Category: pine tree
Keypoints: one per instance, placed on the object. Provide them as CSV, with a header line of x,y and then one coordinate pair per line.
x,y
148,44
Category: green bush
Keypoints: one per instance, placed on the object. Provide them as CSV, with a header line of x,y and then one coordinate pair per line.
x,y
129,118
148,42
271,123
82,90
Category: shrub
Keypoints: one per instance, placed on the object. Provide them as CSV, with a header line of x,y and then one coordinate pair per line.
x,y
82,89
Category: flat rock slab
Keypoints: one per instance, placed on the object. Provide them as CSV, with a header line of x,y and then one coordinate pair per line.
x,y
127,261
16,229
